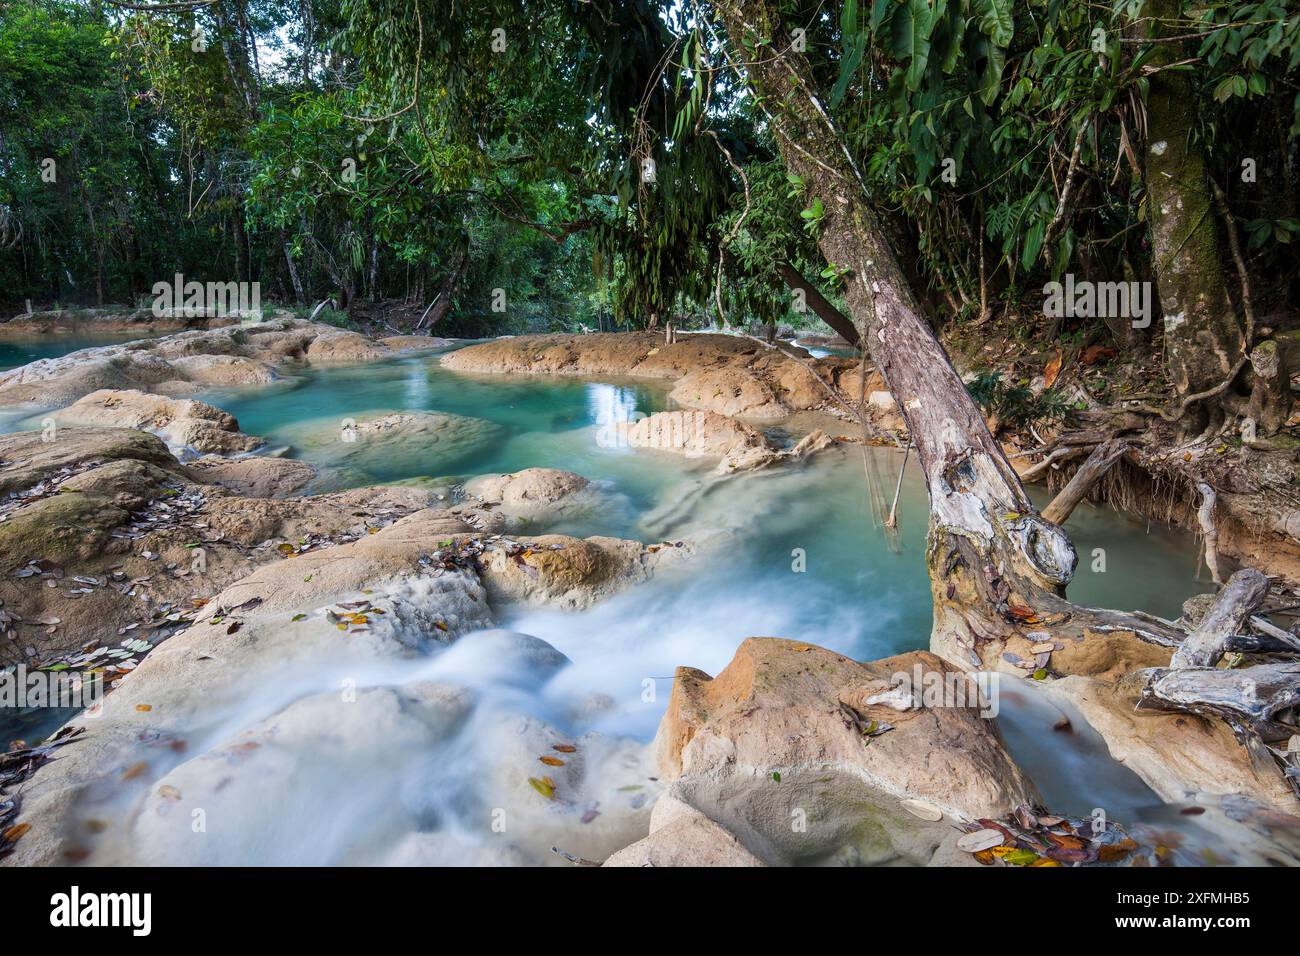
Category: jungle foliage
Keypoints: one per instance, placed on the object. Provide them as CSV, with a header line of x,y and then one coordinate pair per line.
x,y
594,161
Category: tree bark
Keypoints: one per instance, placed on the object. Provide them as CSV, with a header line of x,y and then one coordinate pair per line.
x,y
448,289
1204,339
293,271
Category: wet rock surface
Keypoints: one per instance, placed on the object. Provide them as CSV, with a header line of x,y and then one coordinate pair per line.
x,y
186,362
187,426
790,731
726,374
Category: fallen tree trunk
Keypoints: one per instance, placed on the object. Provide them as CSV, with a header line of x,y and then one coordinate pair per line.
x,y
1245,699
1089,473
1239,599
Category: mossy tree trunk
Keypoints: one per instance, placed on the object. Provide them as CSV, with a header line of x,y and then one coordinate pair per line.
x,y
1204,338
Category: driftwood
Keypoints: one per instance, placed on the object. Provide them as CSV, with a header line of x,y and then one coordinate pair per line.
x,y
1089,473
1261,644
1291,642
1239,599
1247,698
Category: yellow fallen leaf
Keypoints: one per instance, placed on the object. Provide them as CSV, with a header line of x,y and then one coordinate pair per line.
x,y
144,708
552,761
15,832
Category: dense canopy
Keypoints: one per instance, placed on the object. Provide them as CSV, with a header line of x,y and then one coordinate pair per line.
x,y
502,165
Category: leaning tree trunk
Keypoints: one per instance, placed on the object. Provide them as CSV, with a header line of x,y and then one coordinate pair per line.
x,y
294,278
825,310
442,304
1204,340
998,571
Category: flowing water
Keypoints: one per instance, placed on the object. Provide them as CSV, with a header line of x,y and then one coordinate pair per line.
x,y
804,561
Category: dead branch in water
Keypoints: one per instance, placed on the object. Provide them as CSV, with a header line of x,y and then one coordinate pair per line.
x,y
1089,473
1247,699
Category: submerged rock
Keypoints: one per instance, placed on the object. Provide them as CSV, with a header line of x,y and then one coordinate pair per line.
x,y
698,434
694,434
409,442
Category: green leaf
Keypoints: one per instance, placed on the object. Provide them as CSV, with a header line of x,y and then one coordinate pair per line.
x,y
910,39
1033,244
991,79
997,20
815,211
